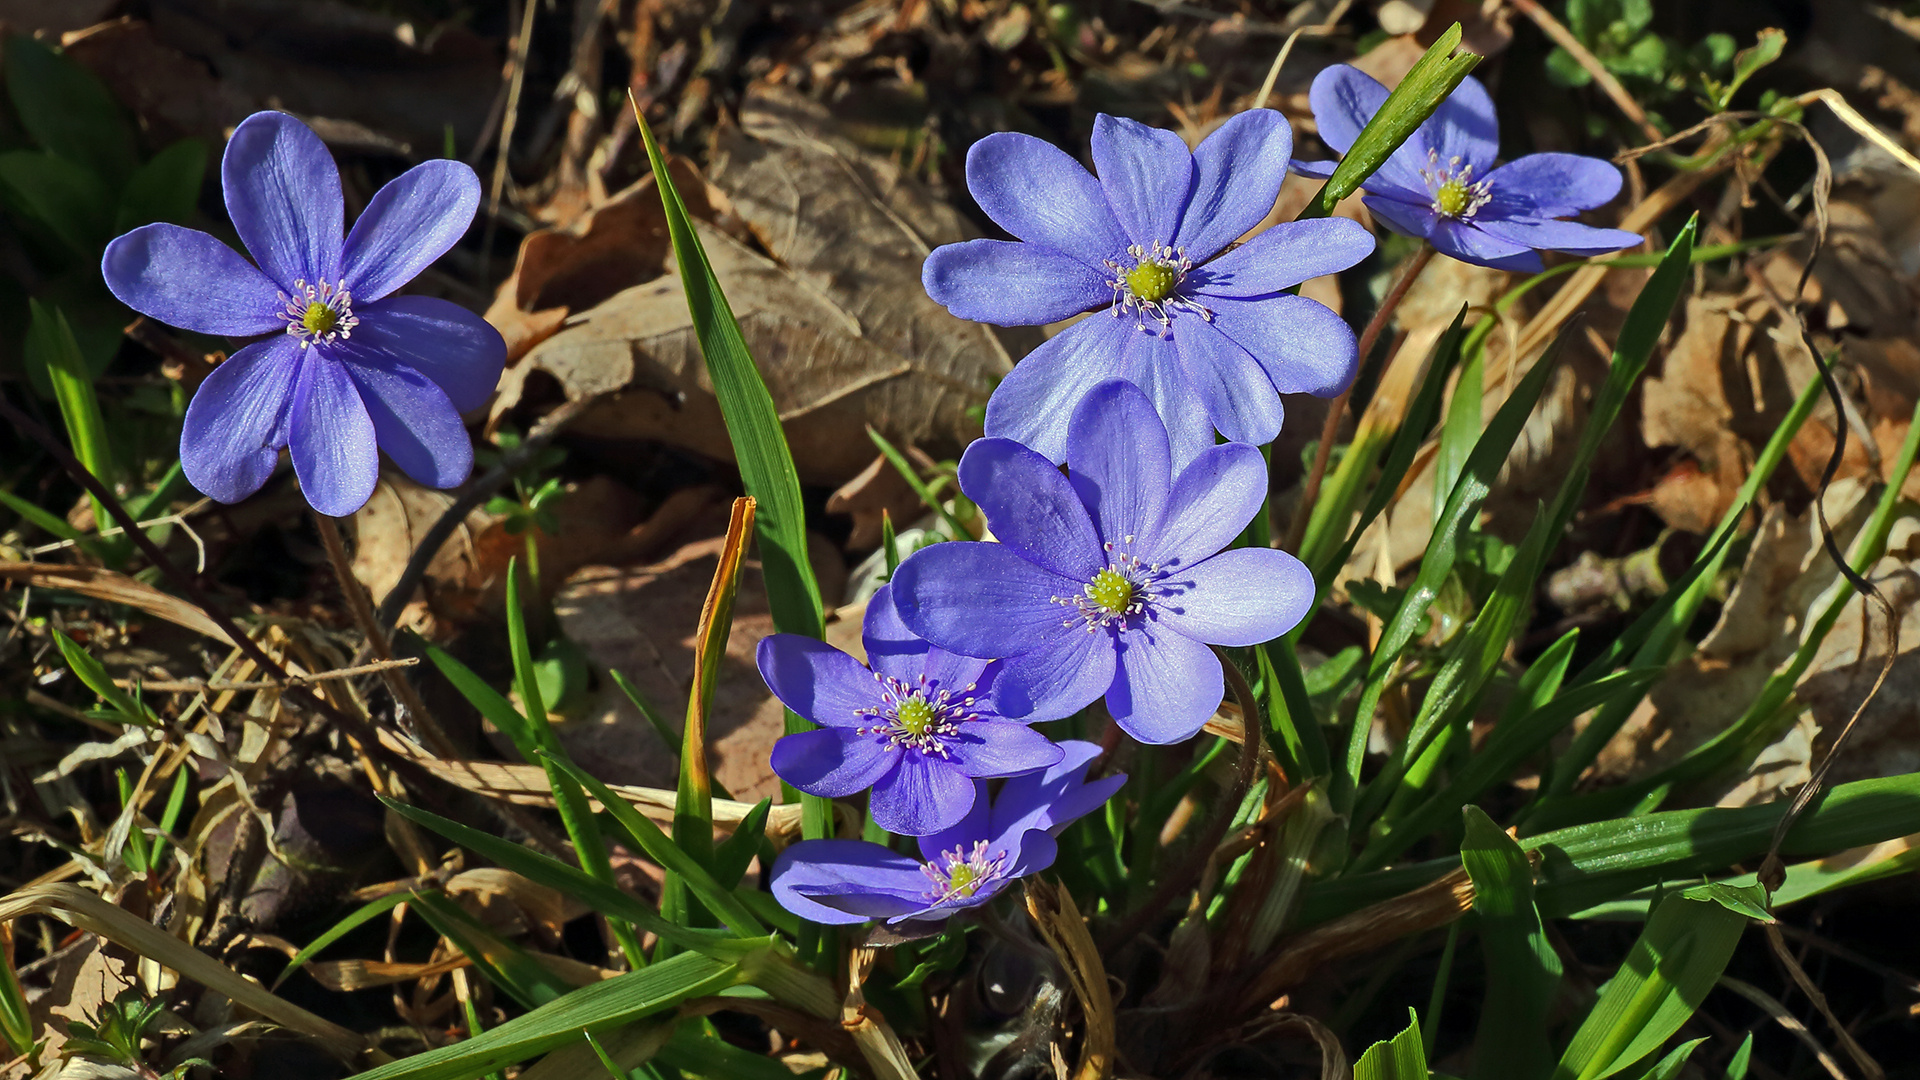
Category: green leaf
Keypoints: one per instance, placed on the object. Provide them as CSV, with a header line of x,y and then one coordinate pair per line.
x,y
504,964
1747,900
361,916
166,188
668,737
697,1051
490,702
600,1007
1461,431
912,476
1765,50
65,205
1737,1066
1400,1058
1523,971
50,339
1669,1067
67,111
1428,83
94,675
732,857
1667,974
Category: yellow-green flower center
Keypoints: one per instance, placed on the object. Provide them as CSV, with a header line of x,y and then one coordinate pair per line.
x,y
1152,281
1111,592
915,716
1453,198
319,319
963,880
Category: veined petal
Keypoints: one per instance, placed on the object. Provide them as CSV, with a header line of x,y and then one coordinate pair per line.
x,y
185,278
457,349
412,221
1464,241
1053,798
228,445
839,882
1210,504
1168,686
1120,461
1034,404
1240,398
1314,170
1416,219
336,454
1551,185
1239,597
981,600
1571,237
1152,363
1010,284
415,423
1031,508
892,649
1344,99
1237,175
1284,256
924,795
1148,175
989,748
1301,344
1464,126
1058,679
962,833
832,762
1036,191
1033,852
283,194
817,680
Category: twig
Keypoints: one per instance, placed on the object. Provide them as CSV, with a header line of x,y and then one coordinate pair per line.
x,y
1325,27
1858,1053
1602,78
479,491
190,686
403,692
1297,527
180,519
515,82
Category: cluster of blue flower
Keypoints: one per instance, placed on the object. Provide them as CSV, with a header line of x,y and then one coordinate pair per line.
x,y
1111,580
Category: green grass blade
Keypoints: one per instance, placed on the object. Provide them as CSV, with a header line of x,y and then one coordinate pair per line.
x,y
1428,83
51,340
907,472
94,675
601,1007
504,964
1523,971
361,916
731,858
1402,1057
1292,730
1461,430
668,737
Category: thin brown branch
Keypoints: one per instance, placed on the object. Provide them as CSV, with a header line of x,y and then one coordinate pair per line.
x,y
1602,78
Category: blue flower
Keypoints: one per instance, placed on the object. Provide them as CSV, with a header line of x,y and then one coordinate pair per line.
x,y
351,369
1206,329
917,728
1111,582
998,843
1441,185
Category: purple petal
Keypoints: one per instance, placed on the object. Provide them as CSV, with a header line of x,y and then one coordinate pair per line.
x,y
1417,219
924,795
1344,99
839,882
1569,236
1031,507
963,833
1316,170
1301,344
1240,597
1033,852
1034,190
415,423
1010,284
1464,127
1551,185
1054,798
1168,686
1120,461
1462,240
412,221
1237,175
283,194
980,599
892,649
1152,363
832,762
1286,255
1240,398
1210,504
335,452
817,680
988,748
1059,679
1148,175
457,349
1034,404
185,278
230,442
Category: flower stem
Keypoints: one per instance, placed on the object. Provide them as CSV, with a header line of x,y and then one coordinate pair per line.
x,y
1297,527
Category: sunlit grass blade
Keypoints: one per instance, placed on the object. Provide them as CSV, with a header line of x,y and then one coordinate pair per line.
x,y
1523,971
697,1051
16,1022
669,738
1428,83
736,852
1402,1057
50,339
912,476
94,675
601,1007
360,916
1293,733
1460,432
504,964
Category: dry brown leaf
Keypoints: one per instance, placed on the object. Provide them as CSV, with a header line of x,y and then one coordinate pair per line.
x,y
1886,741
117,588
1687,406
